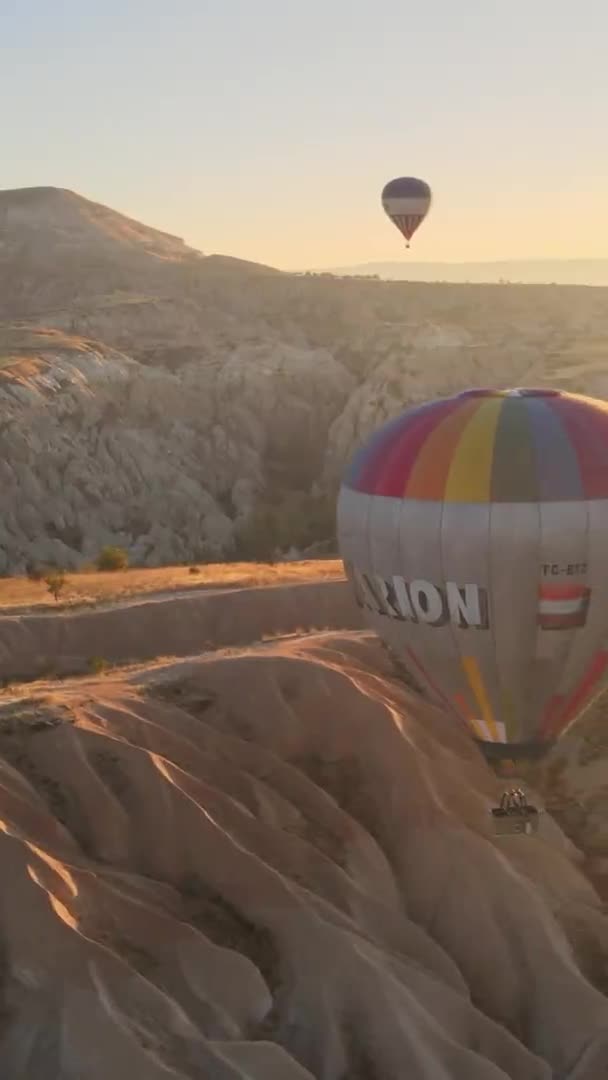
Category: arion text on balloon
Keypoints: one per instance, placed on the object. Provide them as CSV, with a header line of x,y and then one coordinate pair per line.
x,y
421,601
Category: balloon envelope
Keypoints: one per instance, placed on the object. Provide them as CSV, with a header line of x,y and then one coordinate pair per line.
x,y
474,530
406,200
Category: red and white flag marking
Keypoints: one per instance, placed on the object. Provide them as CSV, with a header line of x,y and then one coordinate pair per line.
x,y
562,607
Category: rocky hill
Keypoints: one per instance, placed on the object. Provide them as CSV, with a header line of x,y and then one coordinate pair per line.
x,y
163,400
277,863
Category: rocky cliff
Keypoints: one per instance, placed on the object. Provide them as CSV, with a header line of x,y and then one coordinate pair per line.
x,y
277,863
152,397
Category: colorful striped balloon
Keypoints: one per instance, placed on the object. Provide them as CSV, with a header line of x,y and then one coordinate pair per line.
x,y
406,200
474,530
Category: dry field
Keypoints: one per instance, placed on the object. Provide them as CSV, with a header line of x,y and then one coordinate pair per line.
x,y
90,588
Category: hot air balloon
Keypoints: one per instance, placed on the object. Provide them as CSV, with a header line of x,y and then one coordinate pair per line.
x,y
474,531
406,200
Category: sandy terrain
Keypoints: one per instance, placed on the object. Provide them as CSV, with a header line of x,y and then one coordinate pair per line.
x,y
145,627
92,588
274,862
269,861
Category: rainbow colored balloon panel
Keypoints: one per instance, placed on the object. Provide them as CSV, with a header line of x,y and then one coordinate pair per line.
x,y
490,446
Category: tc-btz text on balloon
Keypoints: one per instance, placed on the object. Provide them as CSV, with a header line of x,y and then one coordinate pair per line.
x,y
557,569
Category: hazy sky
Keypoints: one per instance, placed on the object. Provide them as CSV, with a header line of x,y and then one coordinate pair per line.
x,y
266,128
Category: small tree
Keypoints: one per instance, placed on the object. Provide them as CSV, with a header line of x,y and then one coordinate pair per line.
x,y
55,583
112,558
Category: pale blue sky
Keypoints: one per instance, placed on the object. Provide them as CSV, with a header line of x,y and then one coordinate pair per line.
x,y
266,128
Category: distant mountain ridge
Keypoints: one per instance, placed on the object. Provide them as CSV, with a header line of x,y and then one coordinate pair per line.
x,y
70,221
520,271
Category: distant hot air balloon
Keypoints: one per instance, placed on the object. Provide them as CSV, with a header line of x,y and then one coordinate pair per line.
x,y
406,200
474,531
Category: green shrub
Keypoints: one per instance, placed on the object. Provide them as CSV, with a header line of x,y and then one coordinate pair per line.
x,y
112,558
